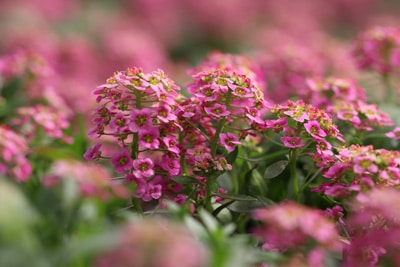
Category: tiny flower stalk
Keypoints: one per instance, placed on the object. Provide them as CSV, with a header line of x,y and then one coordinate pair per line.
x,y
293,173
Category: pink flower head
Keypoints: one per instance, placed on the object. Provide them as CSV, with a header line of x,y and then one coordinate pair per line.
x,y
277,125
153,191
395,134
171,144
140,119
143,168
292,141
93,152
314,129
164,114
118,122
122,161
148,138
171,165
229,140
217,110
378,49
289,225
365,164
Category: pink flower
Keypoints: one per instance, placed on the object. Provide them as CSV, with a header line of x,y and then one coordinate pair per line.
x,y
93,152
122,161
152,192
292,141
229,140
164,114
217,110
395,134
148,138
140,119
171,165
314,129
143,168
171,144
290,225
277,125
365,163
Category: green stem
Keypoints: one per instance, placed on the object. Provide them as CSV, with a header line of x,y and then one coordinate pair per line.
x,y
208,194
389,96
135,141
214,144
293,173
137,206
182,158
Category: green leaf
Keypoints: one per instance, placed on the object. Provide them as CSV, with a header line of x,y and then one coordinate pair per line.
x,y
236,197
225,181
245,206
275,169
231,157
186,180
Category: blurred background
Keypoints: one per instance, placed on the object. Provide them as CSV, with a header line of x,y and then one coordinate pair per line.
x,y
85,41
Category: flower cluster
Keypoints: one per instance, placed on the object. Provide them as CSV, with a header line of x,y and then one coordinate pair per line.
x,y
374,229
287,71
289,226
301,123
361,116
326,92
138,110
231,63
154,243
378,49
359,168
346,101
92,180
51,122
13,152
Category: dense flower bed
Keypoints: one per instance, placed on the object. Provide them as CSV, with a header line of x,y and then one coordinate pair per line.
x,y
128,140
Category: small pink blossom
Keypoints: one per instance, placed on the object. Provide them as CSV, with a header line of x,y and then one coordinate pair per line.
x,y
148,138
365,163
153,191
171,144
229,140
314,129
395,134
140,119
93,152
277,125
143,168
171,165
122,161
217,110
292,141
165,114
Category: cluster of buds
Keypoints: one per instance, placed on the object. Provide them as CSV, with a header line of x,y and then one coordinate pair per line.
x,y
13,151
378,49
359,168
